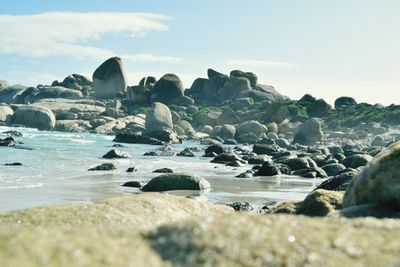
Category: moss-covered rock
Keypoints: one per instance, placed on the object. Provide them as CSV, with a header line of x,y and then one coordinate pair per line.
x,y
321,202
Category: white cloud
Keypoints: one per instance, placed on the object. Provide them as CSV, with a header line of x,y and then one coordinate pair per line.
x,y
68,34
260,63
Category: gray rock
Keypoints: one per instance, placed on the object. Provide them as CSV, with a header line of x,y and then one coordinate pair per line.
x,y
148,82
248,75
268,168
78,82
226,158
176,181
309,132
163,170
53,92
250,127
138,94
109,79
4,84
226,132
357,160
158,118
333,168
378,183
318,108
168,88
378,141
233,88
8,94
34,117
275,112
104,167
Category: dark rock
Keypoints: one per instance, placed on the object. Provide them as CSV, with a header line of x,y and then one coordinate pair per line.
x,y
339,181
116,154
104,167
268,169
333,168
136,184
168,88
164,170
138,95
235,163
242,206
357,160
307,98
109,78
176,181
8,141
226,158
246,174
344,101
261,149
248,75
185,153
318,108
131,169
213,150
378,141
159,153
13,133
136,138
314,172
13,164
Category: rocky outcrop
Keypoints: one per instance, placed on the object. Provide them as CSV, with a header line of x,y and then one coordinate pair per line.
x,y
158,118
34,117
109,79
43,92
167,89
6,113
138,94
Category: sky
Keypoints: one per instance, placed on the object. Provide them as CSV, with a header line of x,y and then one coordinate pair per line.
x,y
323,47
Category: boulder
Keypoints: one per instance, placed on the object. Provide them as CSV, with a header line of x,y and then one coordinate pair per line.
x,y
34,117
225,132
378,141
227,158
8,94
6,113
309,133
378,183
4,84
158,118
168,88
148,82
251,127
248,75
214,83
176,181
109,79
233,88
333,168
338,182
116,154
78,82
43,92
357,160
344,101
104,167
275,112
138,94
268,168
163,170
8,141
136,138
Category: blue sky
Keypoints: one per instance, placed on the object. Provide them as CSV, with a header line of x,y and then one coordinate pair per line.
x,y
326,48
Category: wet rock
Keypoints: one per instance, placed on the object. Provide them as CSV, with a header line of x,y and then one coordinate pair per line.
x,y
258,159
321,202
104,167
136,184
299,163
235,163
131,169
213,150
226,158
357,160
309,132
116,154
176,181
242,207
163,170
268,168
13,133
378,182
8,141
313,172
246,174
210,141
159,153
13,164
378,141
338,182
109,78
261,149
185,153
136,138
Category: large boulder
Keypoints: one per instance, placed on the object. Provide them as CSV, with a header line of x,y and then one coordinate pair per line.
x,y
54,92
7,94
248,75
378,183
176,181
275,112
250,131
344,101
309,132
138,94
109,78
5,113
215,82
233,88
35,117
168,88
158,118
78,82
148,82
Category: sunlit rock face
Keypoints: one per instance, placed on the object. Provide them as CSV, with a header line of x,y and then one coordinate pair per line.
x,y
109,79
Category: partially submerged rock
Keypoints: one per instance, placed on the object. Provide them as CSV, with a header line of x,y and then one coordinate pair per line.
x,y
176,181
104,167
116,154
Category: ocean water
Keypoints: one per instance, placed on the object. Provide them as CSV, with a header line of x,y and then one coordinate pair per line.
x,y
55,170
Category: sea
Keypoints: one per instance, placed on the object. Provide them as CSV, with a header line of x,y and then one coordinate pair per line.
x,y
55,171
